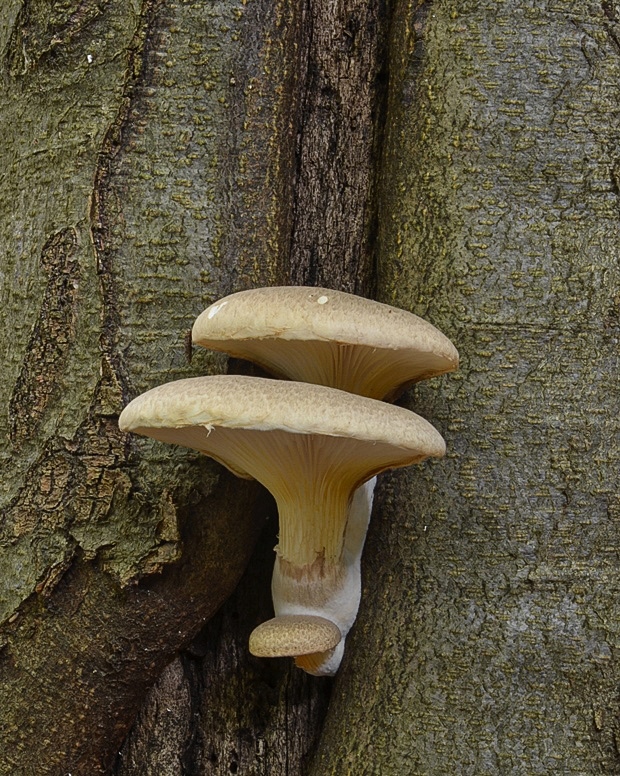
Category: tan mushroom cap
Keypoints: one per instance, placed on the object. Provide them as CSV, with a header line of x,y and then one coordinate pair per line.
x,y
310,445
192,412
327,337
294,634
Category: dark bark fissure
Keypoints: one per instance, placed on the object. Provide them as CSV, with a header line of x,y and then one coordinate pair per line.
x,y
102,211
51,338
339,137
255,716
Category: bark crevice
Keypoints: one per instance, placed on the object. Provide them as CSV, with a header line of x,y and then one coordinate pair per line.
x,y
52,336
339,130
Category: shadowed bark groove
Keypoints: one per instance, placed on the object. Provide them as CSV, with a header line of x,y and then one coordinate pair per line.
x,y
342,85
264,716
50,340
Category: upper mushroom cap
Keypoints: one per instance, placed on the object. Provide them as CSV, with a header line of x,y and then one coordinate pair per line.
x,y
327,337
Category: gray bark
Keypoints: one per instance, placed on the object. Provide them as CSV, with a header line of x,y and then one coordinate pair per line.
x,y
158,155
488,637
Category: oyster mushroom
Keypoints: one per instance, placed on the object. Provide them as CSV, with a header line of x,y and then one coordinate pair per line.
x,y
331,338
327,337
312,447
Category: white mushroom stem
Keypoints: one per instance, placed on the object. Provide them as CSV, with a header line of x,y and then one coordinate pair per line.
x,y
335,597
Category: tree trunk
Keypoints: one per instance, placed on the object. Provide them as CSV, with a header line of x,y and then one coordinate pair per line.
x,y
488,637
456,159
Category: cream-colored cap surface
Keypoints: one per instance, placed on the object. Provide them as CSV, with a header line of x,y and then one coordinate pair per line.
x,y
261,404
328,337
293,635
310,445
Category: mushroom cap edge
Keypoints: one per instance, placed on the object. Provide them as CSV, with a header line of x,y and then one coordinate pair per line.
x,y
263,404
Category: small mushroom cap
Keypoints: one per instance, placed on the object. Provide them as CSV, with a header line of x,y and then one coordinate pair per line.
x,y
293,635
327,337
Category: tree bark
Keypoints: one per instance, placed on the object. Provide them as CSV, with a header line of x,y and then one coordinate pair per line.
x,y
133,193
487,642
458,160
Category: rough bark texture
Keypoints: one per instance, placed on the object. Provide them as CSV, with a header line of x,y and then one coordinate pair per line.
x,y
157,155
488,638
132,194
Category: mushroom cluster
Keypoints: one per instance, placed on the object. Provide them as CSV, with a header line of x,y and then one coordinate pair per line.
x,y
316,439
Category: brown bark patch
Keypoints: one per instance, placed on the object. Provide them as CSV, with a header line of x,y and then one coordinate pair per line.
x,y
50,340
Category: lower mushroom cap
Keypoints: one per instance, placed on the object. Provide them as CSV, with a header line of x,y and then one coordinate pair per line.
x,y
311,446
294,635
